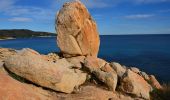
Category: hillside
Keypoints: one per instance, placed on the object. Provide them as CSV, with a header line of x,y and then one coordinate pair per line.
x,y
22,33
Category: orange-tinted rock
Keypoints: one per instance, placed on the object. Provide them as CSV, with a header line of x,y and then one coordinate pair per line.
x,y
91,92
76,30
77,61
93,63
135,70
6,52
120,70
134,84
102,71
56,76
107,68
154,83
11,89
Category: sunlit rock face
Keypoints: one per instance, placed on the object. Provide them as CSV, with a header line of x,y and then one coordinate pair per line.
x,y
76,31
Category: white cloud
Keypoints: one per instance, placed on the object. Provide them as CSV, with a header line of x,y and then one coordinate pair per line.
x,y
6,4
139,16
20,19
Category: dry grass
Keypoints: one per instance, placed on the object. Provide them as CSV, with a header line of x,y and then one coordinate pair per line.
x,y
162,94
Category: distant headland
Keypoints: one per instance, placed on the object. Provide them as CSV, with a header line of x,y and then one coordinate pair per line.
x,y
23,33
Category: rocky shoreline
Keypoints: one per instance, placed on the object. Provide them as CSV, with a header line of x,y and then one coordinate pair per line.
x,y
51,76
76,73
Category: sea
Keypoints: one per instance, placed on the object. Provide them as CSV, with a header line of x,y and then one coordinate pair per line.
x,y
149,53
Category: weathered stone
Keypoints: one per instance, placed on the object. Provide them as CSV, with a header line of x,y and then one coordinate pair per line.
x,y
77,61
118,68
109,78
56,76
6,52
92,92
154,83
107,68
93,63
144,75
1,63
134,84
53,57
27,51
76,30
64,63
11,89
102,71
134,69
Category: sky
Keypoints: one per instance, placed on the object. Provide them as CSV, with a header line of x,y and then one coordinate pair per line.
x,y
113,17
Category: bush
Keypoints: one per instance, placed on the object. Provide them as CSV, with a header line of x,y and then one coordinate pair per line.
x,y
161,94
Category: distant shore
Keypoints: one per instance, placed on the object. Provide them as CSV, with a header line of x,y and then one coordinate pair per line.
x,y
7,38
11,38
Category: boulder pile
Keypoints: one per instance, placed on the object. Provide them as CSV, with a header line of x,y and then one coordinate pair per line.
x,y
74,74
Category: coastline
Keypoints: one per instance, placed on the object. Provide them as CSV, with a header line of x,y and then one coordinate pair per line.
x,y
11,38
8,38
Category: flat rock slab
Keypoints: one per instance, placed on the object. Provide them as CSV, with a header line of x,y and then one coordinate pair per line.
x,y
56,76
11,89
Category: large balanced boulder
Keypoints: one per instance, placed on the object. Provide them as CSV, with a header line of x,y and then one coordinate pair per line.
x,y
76,31
57,76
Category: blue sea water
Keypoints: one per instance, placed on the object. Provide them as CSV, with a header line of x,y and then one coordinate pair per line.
x,y
150,53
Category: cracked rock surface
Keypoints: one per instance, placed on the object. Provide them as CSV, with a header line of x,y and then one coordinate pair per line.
x,y
76,31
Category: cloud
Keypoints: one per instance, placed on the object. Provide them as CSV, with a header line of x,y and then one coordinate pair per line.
x,y
19,13
20,19
139,16
111,3
6,4
164,11
148,1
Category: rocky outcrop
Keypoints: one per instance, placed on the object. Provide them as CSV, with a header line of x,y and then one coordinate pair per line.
x,y
102,71
77,61
92,92
134,84
11,89
154,83
4,52
76,31
135,70
56,76
118,68
26,74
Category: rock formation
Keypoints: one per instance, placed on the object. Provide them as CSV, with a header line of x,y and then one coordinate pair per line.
x,y
77,73
76,31
57,76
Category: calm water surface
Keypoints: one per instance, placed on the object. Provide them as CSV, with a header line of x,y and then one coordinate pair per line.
x,y
150,53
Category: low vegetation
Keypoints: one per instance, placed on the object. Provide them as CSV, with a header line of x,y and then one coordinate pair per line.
x,y
22,33
161,94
